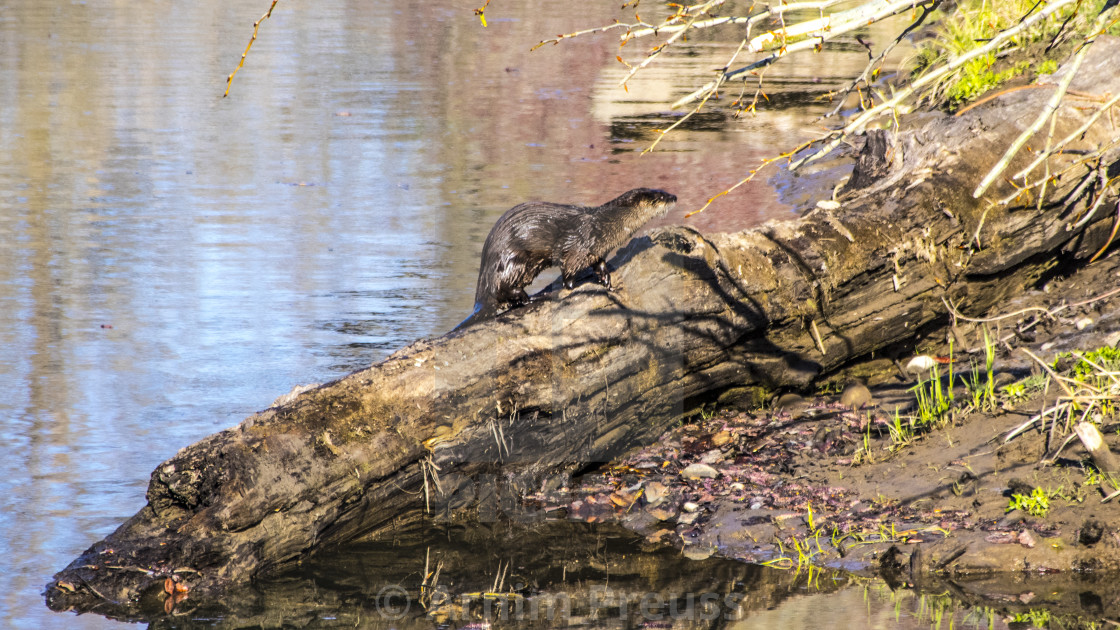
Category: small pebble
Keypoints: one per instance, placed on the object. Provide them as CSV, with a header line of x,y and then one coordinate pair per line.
x,y
721,438
785,401
699,471
656,492
698,552
855,396
713,456
792,404
920,364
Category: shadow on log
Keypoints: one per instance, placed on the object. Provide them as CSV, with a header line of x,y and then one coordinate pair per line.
x,y
451,428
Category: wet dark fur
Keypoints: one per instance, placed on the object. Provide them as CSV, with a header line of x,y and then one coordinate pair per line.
x,y
536,235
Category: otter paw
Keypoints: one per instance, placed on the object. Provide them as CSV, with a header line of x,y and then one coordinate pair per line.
x,y
603,272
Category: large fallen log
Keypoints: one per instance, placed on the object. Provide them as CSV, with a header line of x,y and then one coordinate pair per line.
x,y
452,427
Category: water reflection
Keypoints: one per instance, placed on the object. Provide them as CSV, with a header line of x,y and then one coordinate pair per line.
x,y
556,575
562,574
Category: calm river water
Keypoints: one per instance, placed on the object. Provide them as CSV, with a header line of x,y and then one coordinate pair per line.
x,y
171,261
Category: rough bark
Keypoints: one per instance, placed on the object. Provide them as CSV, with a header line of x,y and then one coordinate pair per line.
x,y
548,389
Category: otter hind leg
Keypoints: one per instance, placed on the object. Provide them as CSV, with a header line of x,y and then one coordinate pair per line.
x,y
603,272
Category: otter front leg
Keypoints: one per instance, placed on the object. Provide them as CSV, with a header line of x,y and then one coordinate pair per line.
x,y
518,298
603,272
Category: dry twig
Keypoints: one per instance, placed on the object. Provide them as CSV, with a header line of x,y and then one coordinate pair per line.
x,y
256,25
993,44
1045,314
823,29
1048,112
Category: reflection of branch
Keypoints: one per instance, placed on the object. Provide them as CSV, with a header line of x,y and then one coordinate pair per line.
x,y
256,25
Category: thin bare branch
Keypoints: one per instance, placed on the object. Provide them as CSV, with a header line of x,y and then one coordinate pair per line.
x,y
1102,194
1044,314
1111,235
926,10
1048,111
764,164
707,6
714,90
831,26
993,44
679,122
1087,179
256,25
600,29
983,320
754,19
1070,138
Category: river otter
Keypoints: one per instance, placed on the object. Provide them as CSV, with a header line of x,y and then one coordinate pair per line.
x,y
533,236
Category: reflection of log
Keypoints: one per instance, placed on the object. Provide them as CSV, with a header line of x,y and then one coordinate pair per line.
x,y
551,575
561,383
555,575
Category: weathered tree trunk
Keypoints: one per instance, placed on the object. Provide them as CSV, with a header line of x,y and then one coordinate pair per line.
x,y
551,387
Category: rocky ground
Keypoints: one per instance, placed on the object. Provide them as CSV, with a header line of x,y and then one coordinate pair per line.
x,y
856,478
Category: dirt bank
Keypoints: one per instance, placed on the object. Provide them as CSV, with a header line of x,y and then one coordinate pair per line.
x,y
821,479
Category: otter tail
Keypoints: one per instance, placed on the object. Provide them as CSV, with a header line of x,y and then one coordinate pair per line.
x,y
481,313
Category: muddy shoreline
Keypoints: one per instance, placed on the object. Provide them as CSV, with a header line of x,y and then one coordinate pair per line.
x,y
823,480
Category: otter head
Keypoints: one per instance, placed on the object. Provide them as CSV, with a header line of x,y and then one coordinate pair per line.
x,y
655,203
